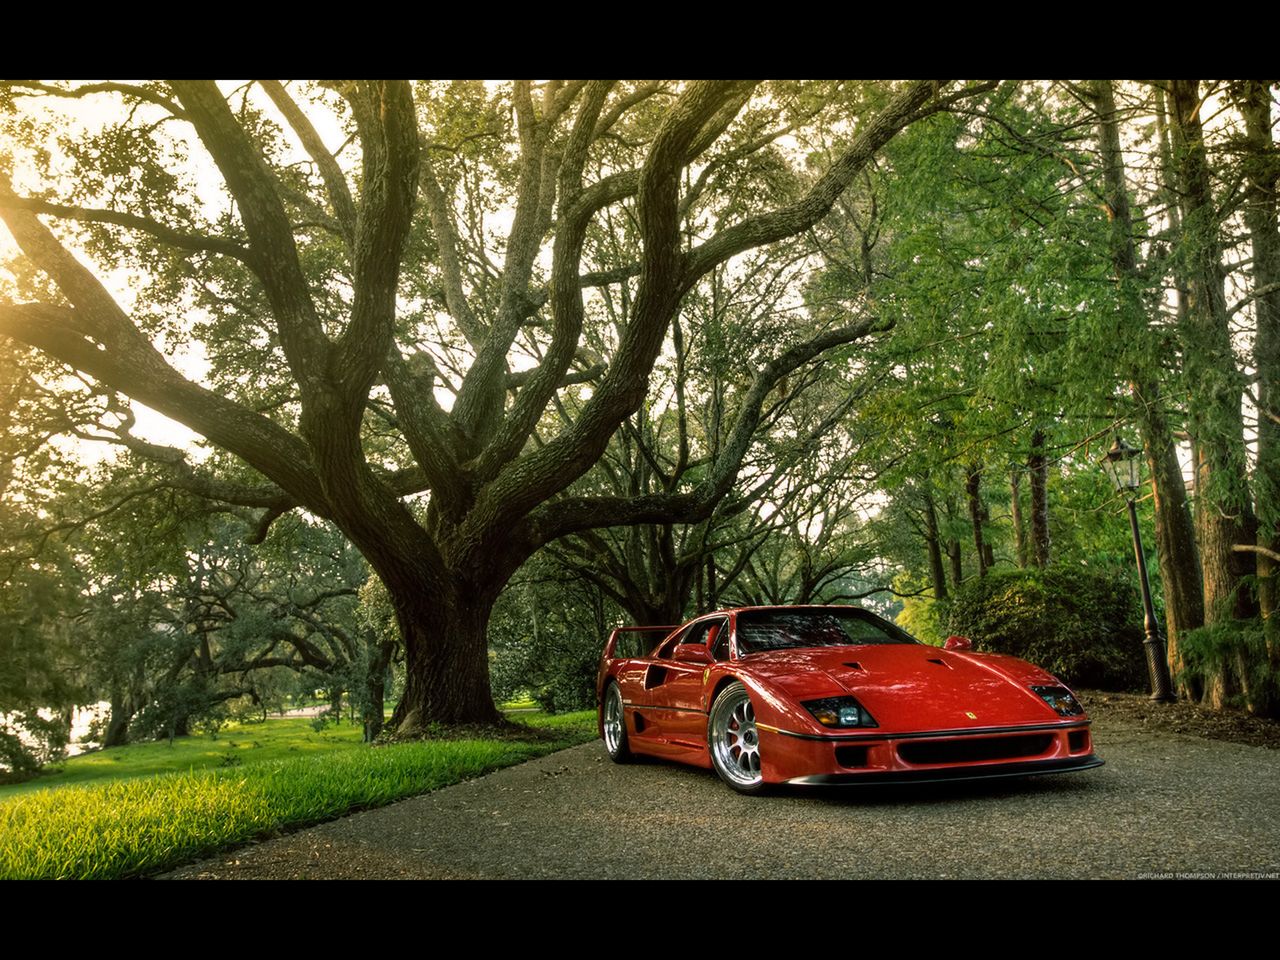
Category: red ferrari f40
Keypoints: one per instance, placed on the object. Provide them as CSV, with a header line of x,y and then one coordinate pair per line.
x,y
831,695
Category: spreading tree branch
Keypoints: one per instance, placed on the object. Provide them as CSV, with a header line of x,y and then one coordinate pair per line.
x,y
335,181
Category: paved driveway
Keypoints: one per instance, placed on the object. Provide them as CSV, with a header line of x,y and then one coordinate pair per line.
x,y
1164,803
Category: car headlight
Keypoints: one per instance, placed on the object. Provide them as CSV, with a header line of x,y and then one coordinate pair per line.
x,y
1060,699
839,712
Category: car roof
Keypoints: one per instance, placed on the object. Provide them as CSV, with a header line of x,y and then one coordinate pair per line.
x,y
782,606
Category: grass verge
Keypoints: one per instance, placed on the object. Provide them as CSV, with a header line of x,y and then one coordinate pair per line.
x,y
236,745
132,826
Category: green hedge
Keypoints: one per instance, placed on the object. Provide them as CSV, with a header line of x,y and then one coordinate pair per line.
x,y
1083,627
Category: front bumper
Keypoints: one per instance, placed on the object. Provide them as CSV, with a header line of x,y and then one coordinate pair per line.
x,y
952,774
877,757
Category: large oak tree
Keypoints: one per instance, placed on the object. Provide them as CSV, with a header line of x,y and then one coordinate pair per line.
x,y
346,258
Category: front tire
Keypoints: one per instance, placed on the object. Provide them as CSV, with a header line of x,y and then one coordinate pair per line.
x,y
734,740
616,743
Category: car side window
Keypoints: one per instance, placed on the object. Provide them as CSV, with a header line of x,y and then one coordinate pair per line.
x,y
669,648
720,640
697,634
706,631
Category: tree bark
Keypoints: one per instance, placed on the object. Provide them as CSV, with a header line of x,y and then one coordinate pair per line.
x,y
1015,508
1178,558
1037,468
117,733
445,682
1224,511
375,689
978,517
1262,169
1179,563
335,704
953,544
933,541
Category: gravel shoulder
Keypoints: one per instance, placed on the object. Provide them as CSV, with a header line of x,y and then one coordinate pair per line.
x,y
1166,803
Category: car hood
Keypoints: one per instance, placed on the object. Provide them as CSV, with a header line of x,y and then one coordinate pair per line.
x,y
910,687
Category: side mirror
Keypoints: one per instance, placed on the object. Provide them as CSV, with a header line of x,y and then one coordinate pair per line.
x,y
694,653
958,643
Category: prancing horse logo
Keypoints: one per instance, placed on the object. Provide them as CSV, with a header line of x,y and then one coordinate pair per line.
x,y
971,716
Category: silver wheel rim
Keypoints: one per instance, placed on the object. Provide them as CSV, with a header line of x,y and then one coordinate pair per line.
x,y
613,722
735,739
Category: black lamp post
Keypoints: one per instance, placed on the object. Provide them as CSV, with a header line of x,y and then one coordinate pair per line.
x,y
1123,466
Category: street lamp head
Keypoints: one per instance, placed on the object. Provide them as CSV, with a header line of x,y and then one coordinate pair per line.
x,y
1123,466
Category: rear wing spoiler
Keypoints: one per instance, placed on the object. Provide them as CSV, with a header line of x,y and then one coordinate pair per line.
x,y
627,642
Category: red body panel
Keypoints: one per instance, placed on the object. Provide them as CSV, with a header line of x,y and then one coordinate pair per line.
x,y
939,713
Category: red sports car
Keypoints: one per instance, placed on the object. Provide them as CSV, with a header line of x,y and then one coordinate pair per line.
x,y
831,695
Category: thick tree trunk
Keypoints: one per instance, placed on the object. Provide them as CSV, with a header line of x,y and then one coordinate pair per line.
x,y
1261,218
661,585
956,562
662,610
1262,166
1224,512
937,575
1175,537
446,661
117,733
1015,508
1179,560
1038,469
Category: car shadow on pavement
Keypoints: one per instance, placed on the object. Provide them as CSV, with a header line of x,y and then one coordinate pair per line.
x,y
897,795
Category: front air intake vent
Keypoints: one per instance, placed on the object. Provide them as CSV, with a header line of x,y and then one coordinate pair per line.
x,y
851,756
975,750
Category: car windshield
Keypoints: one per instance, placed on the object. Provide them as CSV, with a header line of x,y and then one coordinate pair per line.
x,y
761,630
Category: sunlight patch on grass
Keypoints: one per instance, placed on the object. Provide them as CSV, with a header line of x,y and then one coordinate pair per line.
x,y
141,824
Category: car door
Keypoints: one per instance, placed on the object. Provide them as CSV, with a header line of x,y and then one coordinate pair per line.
x,y
674,686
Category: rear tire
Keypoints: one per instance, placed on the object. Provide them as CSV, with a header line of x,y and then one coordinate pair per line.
x,y
616,743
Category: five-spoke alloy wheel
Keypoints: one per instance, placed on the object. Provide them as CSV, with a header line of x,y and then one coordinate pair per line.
x,y
734,739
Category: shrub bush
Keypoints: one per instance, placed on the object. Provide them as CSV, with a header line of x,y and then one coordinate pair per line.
x,y
557,670
1228,665
546,648
1083,627
925,619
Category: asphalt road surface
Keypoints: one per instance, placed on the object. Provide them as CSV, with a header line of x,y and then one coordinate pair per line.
x,y
1164,805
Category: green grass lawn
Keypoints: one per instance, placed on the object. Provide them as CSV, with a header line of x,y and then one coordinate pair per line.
x,y
159,806
236,744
